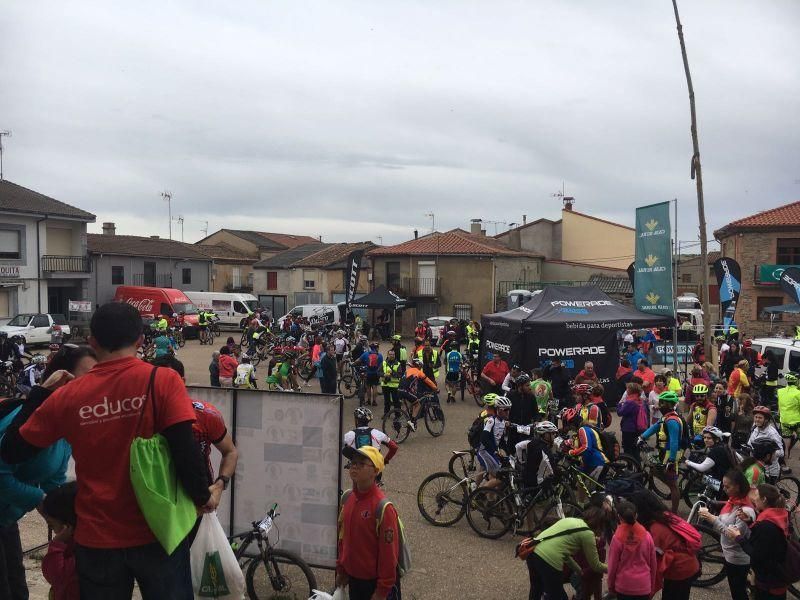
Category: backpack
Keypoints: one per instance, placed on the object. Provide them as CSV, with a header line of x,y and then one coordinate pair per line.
x,y
404,554
790,569
373,361
528,545
606,414
686,433
608,443
363,436
624,488
409,385
474,432
642,417
684,530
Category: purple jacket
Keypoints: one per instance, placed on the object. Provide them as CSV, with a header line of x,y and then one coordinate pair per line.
x,y
629,412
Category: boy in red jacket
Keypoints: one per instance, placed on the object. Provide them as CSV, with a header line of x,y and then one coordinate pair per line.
x,y
368,548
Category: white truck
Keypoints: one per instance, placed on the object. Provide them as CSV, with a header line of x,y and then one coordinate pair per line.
x,y
36,328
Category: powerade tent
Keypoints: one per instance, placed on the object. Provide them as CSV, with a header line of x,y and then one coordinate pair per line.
x,y
575,324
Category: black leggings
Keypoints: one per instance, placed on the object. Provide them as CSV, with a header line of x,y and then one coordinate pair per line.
x,y
737,580
677,589
546,582
629,444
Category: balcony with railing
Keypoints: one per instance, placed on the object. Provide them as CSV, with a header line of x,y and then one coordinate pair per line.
x,y
65,264
163,280
420,287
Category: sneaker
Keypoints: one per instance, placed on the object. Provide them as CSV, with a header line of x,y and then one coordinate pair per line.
x,y
411,425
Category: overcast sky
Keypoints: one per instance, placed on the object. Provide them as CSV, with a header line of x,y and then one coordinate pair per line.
x,y
352,120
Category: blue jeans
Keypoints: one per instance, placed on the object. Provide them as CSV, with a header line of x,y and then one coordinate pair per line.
x,y
108,574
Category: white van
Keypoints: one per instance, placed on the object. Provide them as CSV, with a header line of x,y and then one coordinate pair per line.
x,y
786,352
230,308
694,316
316,313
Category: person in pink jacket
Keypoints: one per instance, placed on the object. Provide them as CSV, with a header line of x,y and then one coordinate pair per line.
x,y
632,564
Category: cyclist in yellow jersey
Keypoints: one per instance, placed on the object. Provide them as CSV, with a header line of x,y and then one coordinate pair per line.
x,y
789,411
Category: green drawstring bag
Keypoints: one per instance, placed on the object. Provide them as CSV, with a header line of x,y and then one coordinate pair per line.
x,y
169,511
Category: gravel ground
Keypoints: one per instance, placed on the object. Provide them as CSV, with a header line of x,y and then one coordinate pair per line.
x,y
448,562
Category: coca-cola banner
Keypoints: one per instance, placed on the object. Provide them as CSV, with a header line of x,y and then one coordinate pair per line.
x,y
729,280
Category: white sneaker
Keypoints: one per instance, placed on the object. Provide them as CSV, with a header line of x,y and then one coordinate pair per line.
x,y
412,425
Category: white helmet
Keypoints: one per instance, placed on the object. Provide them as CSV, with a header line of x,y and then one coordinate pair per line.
x,y
39,359
545,427
502,402
716,432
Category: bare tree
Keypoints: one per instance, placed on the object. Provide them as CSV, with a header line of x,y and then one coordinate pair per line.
x,y
697,175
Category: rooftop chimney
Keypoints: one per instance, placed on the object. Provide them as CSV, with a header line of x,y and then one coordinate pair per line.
x,y
416,234
514,239
475,226
524,219
109,229
568,202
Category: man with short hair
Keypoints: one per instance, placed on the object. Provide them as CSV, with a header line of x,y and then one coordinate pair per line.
x,y
633,355
587,375
369,532
559,378
99,415
493,374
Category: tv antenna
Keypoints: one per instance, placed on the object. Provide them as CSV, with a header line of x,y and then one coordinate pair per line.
x,y
205,229
179,219
165,195
8,134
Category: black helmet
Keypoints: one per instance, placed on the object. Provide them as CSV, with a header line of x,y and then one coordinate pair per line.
x,y
760,448
3,335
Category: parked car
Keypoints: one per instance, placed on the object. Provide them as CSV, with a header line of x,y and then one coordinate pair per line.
x,y
786,352
437,325
36,328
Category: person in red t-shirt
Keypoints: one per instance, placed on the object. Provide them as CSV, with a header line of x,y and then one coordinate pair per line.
x,y
99,415
493,374
227,367
369,550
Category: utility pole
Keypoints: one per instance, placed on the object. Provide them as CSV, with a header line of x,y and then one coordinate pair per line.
x,y
697,175
168,197
8,134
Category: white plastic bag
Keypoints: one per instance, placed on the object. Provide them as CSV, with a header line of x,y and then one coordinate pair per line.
x,y
215,571
338,594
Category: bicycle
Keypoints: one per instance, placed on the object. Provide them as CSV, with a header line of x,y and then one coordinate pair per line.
x,y
8,379
712,562
441,493
654,470
354,383
395,422
470,382
177,335
272,573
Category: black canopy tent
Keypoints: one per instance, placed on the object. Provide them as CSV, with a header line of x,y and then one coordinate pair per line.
x,y
381,298
575,324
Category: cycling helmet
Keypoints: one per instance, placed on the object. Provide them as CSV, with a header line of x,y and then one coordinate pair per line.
x,y
39,359
571,416
502,403
747,343
415,362
3,335
362,338
701,389
670,397
791,378
716,432
760,448
397,338
523,379
290,340
545,427
516,367
582,389
762,410
488,399
373,344
451,333
362,413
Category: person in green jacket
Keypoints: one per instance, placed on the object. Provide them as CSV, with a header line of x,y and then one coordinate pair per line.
x,y
400,352
558,545
390,381
789,410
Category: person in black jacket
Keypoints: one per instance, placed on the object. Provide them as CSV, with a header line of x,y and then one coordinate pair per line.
x,y
732,358
765,542
559,378
327,363
524,409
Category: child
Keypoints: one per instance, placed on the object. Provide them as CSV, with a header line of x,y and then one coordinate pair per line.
x,y
632,565
58,565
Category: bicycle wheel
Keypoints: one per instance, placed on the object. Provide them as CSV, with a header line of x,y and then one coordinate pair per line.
x,y
622,467
180,339
794,591
395,425
790,488
460,469
434,419
712,563
554,514
690,489
442,499
489,513
475,390
244,341
280,575
658,487
255,359
347,386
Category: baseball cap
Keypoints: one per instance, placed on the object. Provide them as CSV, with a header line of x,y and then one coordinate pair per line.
x,y
370,452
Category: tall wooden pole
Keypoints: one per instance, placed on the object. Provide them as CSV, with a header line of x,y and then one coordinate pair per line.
x,y
697,175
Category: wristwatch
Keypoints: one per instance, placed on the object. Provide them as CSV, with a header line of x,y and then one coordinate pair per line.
x,y
225,481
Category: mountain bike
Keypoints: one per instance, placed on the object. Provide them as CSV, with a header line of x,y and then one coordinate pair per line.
x,y
442,497
353,383
469,381
395,422
177,335
272,573
712,562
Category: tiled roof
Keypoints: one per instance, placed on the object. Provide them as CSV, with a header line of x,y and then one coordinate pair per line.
x,y
15,198
332,255
223,251
782,217
453,242
285,259
611,285
265,240
132,245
